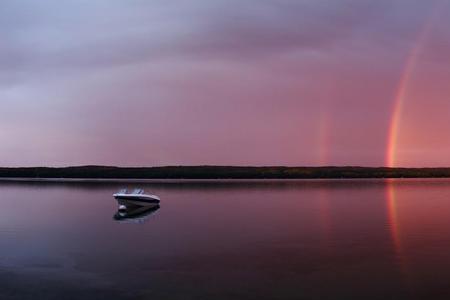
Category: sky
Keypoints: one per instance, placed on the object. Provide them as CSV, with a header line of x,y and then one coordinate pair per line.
x,y
225,82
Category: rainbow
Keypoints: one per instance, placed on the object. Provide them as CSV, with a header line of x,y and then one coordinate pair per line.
x,y
402,88
323,137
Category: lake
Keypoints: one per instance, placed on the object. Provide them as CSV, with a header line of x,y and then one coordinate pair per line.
x,y
310,239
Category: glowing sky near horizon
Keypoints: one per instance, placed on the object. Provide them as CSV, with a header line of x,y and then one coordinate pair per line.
x,y
273,82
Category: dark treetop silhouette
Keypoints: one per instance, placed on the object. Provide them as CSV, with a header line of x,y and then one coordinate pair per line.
x,y
221,172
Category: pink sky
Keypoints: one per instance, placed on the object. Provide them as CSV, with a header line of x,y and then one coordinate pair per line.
x,y
143,83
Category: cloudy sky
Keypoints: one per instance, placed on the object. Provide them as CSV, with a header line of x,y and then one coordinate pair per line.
x,y
253,82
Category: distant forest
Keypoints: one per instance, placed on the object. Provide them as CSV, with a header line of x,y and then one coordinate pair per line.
x,y
221,172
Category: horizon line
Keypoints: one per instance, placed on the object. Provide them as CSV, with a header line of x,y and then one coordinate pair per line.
x,y
219,166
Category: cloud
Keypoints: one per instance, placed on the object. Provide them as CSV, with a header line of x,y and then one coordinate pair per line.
x,y
58,35
199,81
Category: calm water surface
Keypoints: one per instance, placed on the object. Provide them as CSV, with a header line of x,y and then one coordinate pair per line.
x,y
338,239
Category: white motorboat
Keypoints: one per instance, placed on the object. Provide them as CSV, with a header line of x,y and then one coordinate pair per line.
x,y
136,198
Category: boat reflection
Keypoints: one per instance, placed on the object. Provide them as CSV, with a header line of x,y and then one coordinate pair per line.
x,y
135,214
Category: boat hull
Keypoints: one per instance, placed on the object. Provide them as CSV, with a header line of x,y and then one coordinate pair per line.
x,y
136,200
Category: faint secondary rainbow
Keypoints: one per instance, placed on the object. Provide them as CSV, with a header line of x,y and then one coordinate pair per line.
x,y
402,88
323,138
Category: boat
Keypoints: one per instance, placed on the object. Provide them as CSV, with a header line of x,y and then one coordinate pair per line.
x,y
136,198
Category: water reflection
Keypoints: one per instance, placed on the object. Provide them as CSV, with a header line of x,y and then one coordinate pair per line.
x,y
392,215
418,217
325,217
135,214
329,239
394,225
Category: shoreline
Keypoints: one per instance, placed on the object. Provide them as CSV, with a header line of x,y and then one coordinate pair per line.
x,y
205,180
177,173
